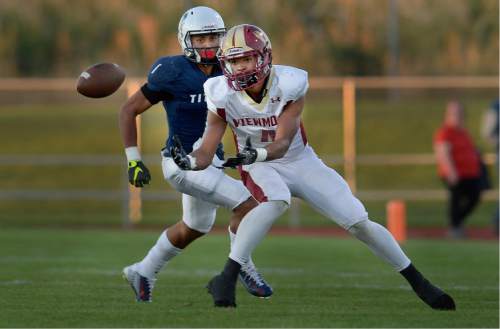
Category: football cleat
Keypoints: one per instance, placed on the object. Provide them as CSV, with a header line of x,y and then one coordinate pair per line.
x,y
253,281
222,291
435,297
141,285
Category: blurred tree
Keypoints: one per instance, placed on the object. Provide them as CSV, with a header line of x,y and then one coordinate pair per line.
x,y
327,37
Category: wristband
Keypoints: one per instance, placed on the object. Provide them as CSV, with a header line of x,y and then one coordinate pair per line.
x,y
261,154
192,161
132,153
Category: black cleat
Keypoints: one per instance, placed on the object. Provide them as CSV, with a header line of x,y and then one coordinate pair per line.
x,y
222,291
435,297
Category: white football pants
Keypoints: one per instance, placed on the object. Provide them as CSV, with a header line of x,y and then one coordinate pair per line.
x,y
202,192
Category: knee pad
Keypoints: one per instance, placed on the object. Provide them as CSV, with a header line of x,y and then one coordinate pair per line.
x,y
359,227
202,223
197,214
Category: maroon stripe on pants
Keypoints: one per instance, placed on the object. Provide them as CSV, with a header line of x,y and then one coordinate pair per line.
x,y
254,189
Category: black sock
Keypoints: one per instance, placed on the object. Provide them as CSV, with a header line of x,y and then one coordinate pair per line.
x,y
231,269
412,275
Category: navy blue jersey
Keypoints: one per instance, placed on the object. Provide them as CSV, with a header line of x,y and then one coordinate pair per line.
x,y
179,84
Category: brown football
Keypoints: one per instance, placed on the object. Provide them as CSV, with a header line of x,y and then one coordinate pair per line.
x,y
100,80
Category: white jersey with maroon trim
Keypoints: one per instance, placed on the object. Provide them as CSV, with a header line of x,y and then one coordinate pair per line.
x,y
259,120
300,172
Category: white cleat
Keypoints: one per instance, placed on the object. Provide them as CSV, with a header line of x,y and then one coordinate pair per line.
x,y
141,285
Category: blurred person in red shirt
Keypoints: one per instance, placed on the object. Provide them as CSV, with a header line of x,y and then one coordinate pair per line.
x,y
459,166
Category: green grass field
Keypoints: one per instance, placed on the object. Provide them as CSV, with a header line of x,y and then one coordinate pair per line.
x,y
65,278
61,262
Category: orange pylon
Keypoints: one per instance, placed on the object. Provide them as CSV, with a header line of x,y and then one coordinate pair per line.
x,y
396,219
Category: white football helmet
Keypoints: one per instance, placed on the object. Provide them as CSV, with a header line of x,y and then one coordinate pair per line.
x,y
196,21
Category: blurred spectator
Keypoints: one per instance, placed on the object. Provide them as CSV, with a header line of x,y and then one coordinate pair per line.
x,y
489,131
459,166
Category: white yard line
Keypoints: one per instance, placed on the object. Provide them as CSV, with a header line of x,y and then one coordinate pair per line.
x,y
205,272
15,283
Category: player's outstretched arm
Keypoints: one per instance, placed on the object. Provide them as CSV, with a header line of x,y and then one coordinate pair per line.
x,y
138,173
134,106
288,124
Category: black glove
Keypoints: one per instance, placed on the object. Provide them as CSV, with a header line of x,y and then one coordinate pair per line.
x,y
179,155
138,174
247,156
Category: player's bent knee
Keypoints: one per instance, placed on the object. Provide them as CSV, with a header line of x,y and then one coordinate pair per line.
x,y
189,234
182,235
243,208
360,226
202,223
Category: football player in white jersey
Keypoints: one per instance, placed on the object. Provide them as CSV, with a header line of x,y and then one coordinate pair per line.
x,y
173,80
263,104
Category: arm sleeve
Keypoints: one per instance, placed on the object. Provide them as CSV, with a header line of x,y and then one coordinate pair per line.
x,y
294,84
155,96
162,75
215,96
210,104
302,87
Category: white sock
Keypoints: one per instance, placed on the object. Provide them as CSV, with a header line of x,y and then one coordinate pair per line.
x,y
161,253
253,228
381,242
232,237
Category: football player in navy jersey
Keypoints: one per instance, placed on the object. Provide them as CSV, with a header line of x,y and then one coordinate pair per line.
x,y
177,81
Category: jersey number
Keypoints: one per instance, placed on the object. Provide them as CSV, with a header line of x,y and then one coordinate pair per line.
x,y
268,136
